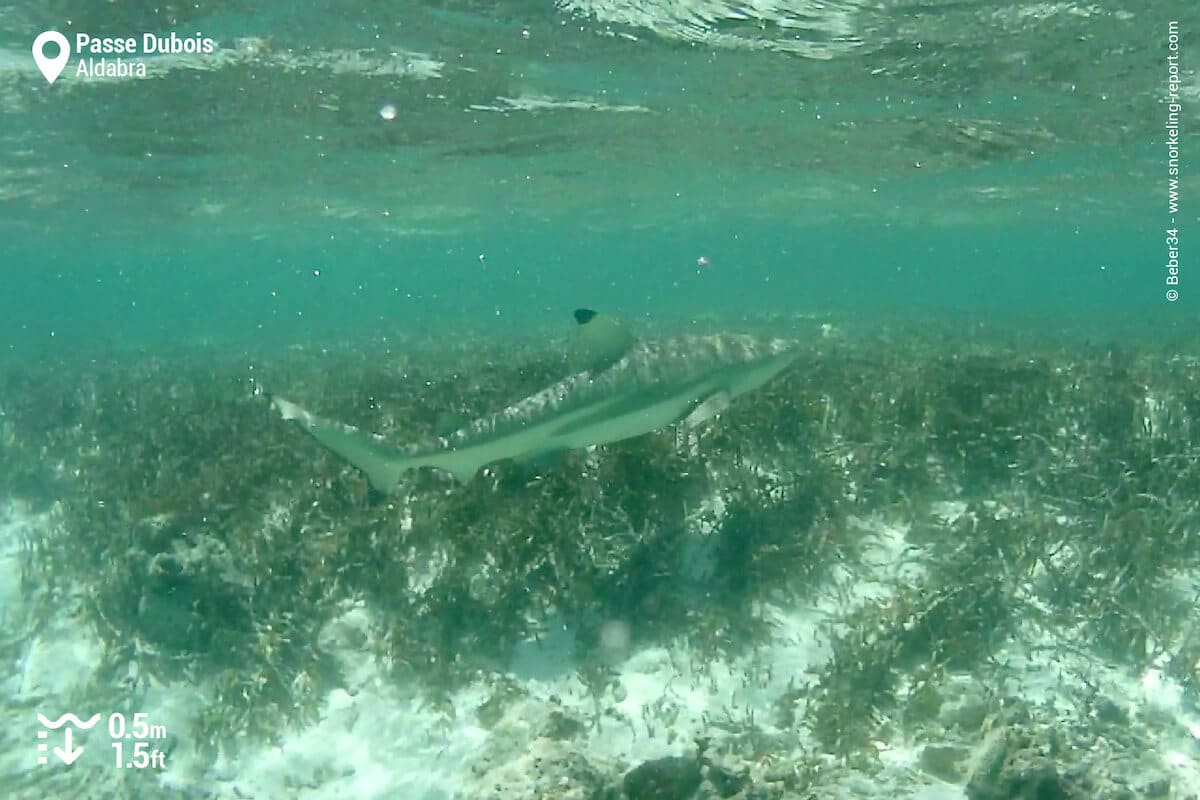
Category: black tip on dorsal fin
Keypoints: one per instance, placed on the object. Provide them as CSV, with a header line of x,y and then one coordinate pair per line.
x,y
598,342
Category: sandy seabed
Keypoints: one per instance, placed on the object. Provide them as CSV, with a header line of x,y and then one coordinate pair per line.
x,y
553,737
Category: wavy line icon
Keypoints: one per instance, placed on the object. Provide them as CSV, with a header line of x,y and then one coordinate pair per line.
x,y
71,718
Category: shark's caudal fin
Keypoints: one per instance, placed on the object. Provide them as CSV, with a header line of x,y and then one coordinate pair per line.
x,y
381,462
599,342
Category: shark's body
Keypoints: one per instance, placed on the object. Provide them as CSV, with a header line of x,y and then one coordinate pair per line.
x,y
634,389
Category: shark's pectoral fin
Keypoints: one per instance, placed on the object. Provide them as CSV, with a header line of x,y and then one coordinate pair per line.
x,y
708,408
381,462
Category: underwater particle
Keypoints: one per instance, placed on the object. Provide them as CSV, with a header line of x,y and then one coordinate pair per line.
x,y
670,778
702,261
387,112
614,637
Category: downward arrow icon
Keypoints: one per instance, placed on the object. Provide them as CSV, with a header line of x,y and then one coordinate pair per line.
x,y
67,753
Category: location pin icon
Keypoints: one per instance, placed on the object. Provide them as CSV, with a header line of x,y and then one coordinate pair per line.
x,y
51,67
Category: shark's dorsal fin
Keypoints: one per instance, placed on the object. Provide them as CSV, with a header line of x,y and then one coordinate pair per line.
x,y
599,341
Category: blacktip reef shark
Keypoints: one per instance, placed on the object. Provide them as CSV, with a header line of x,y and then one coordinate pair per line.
x,y
618,388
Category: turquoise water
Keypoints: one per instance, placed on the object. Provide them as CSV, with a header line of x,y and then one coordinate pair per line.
x,y
975,158
338,280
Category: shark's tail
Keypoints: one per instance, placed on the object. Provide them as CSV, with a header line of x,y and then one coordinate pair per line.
x,y
382,463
